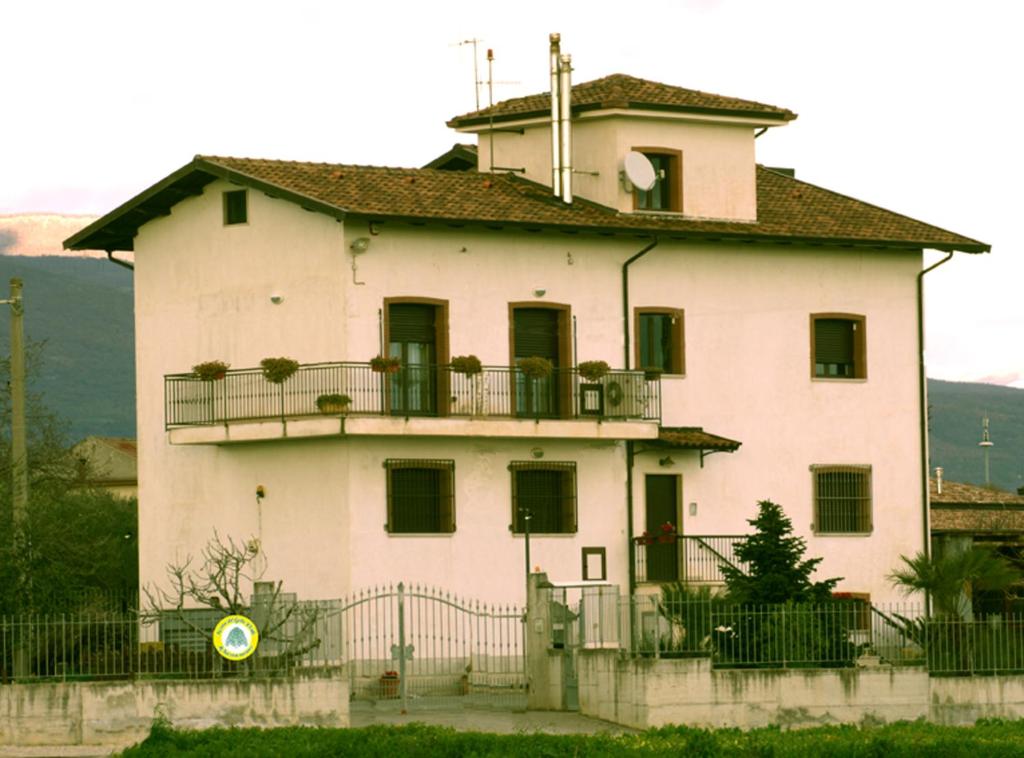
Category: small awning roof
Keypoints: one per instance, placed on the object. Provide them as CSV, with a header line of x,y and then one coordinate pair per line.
x,y
693,438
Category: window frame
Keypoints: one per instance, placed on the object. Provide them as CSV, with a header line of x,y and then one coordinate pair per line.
x,y
865,517
860,360
446,493
570,500
673,179
244,194
677,359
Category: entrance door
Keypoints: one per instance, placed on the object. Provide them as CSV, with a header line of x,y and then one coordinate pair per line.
x,y
538,332
662,499
412,337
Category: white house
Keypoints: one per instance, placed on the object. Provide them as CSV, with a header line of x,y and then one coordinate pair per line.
x,y
764,338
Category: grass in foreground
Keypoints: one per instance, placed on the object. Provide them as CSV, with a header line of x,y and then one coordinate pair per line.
x,y
988,738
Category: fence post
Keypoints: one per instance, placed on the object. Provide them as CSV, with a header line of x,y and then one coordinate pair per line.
x,y
403,688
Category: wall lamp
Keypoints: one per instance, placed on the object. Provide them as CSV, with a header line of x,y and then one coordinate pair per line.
x,y
666,461
360,245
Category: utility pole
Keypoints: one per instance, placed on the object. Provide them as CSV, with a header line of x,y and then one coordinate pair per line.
x,y
19,463
19,460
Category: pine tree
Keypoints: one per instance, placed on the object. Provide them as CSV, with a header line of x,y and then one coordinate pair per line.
x,y
778,571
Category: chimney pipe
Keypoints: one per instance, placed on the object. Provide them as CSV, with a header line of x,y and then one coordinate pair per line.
x,y
565,97
938,480
556,141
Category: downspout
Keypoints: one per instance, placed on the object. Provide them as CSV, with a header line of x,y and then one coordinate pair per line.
x,y
630,450
922,389
112,259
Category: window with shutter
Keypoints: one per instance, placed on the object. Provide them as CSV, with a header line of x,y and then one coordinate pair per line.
x,y
235,207
421,496
667,193
660,340
838,346
842,499
547,493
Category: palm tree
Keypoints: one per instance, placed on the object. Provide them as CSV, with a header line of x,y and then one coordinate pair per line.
x,y
951,578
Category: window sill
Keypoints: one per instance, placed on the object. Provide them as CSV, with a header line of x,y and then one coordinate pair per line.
x,y
421,535
545,535
842,534
840,379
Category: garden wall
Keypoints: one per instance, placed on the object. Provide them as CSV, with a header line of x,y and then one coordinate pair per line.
x,y
648,692
120,713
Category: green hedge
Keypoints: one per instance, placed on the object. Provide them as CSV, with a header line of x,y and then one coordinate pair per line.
x,y
919,739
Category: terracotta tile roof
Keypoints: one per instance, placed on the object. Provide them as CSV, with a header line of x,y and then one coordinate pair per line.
x,y
788,209
695,438
969,508
623,91
958,493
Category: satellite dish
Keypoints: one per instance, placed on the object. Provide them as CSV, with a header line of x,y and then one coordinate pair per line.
x,y
639,170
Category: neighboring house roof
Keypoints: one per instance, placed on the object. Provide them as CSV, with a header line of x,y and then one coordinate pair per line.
x,y
969,508
461,157
108,460
623,91
788,210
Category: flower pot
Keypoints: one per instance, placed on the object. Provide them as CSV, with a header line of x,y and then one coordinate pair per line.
x,y
329,409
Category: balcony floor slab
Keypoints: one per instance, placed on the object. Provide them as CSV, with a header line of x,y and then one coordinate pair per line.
x,y
257,430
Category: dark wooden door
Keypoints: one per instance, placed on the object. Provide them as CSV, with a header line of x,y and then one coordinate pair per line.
x,y
662,505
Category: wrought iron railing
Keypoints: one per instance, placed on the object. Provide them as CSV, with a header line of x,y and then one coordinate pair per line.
x,y
496,392
696,559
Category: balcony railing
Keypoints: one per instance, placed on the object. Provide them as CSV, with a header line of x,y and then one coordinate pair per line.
x,y
438,391
687,558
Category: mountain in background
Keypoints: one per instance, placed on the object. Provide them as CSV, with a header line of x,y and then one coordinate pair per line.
x,y
82,308
956,410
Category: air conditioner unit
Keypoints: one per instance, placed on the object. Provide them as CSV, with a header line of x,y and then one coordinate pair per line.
x,y
625,396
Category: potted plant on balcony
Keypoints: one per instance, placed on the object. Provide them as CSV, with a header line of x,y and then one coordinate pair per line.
x,y
278,370
333,403
593,371
466,364
210,371
385,364
536,367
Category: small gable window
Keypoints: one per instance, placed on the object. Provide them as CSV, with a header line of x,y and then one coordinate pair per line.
x,y
236,210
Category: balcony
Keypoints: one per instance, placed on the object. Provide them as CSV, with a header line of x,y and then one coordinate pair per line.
x,y
427,400
690,559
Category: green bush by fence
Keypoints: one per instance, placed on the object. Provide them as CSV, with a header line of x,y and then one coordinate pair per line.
x,y
917,739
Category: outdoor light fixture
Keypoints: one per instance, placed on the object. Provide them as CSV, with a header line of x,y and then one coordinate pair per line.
x,y
360,245
540,292
276,298
260,492
666,461
693,509
537,452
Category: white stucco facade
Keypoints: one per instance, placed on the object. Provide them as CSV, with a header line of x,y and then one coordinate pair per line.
x,y
203,291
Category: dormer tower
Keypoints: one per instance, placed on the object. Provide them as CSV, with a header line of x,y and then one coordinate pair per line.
x,y
701,145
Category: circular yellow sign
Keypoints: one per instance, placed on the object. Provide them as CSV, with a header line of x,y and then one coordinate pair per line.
x,y
235,637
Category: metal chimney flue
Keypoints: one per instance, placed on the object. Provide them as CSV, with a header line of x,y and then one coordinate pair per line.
x,y
938,480
556,139
565,127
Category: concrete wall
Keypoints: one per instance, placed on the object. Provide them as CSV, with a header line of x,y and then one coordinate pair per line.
x,y
121,713
648,692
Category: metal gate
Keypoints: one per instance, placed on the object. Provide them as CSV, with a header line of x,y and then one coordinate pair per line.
x,y
406,643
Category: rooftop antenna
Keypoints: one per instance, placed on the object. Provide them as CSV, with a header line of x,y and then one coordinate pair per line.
x,y
985,445
476,71
490,116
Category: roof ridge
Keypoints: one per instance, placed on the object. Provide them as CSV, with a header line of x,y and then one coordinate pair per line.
x,y
220,159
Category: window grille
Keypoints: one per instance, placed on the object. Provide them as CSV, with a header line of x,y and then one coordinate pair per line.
x,y
547,491
842,499
421,496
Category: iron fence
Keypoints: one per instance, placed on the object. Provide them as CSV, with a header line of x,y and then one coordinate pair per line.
x,y
994,645
831,635
694,559
166,644
245,394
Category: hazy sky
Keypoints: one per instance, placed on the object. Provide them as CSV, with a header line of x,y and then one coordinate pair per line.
x,y
914,106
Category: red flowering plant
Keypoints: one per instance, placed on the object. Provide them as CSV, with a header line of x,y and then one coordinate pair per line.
x,y
667,533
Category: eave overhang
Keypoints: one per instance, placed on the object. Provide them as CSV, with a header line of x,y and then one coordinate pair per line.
x,y
117,229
